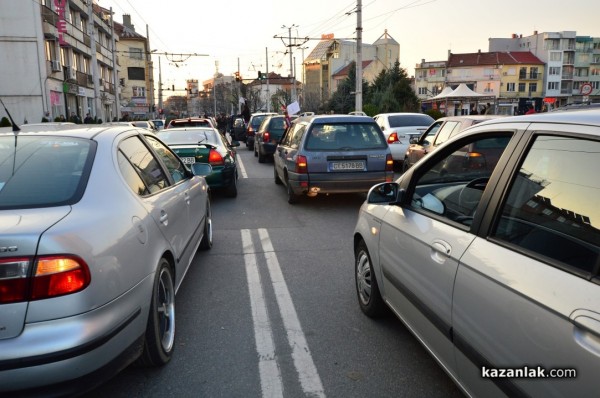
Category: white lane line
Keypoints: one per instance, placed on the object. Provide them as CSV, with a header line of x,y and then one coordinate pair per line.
x,y
270,376
307,372
242,168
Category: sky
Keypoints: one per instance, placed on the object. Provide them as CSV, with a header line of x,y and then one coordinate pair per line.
x,y
228,33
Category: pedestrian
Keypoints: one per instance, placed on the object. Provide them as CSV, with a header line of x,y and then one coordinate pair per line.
x,y
531,110
246,113
88,119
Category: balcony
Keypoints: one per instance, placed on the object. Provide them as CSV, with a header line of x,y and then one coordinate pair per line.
x,y
529,76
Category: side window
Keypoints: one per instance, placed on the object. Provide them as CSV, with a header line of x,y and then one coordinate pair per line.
x,y
174,165
445,132
453,186
132,178
297,136
430,133
146,166
552,206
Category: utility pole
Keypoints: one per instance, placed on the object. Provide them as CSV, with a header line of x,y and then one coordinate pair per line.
x,y
358,98
268,92
92,34
160,97
289,46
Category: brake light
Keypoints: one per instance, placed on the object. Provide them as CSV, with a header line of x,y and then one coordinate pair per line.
x,y
393,138
250,131
389,163
266,136
54,276
215,158
301,164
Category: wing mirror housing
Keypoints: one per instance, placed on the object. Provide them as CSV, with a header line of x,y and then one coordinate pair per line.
x,y
385,193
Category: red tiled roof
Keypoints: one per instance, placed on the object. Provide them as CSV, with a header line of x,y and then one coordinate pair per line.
x,y
493,58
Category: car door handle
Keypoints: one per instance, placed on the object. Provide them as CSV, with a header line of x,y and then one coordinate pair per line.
x,y
164,218
587,329
440,250
186,197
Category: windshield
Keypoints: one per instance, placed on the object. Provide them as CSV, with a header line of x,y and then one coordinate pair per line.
x,y
345,136
42,171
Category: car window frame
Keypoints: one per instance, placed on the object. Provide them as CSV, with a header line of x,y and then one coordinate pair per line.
x,y
411,177
490,221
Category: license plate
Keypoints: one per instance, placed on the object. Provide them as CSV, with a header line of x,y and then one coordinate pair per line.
x,y
340,166
189,160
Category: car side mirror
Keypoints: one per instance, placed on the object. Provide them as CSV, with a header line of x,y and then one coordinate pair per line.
x,y
201,169
386,192
234,143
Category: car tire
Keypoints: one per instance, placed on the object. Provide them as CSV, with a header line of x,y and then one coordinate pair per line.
x,y
159,340
231,191
367,289
405,165
292,198
255,150
276,176
261,158
207,238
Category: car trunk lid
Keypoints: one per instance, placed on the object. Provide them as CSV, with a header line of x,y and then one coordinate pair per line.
x,y
20,231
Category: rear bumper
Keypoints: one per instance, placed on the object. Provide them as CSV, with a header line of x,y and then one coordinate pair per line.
x,y
79,352
337,182
221,177
398,151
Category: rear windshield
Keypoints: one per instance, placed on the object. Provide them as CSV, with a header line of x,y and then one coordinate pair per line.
x,y
256,121
345,136
185,137
410,120
42,171
191,123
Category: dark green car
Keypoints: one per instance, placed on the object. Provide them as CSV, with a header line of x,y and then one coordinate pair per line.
x,y
206,145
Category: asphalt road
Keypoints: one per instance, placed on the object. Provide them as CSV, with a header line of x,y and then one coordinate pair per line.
x,y
271,310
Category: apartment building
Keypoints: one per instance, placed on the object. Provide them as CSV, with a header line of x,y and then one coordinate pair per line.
x,y
135,72
572,73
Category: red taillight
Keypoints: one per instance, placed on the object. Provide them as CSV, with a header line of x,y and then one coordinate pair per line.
x,y
266,137
250,131
301,164
215,158
389,163
393,138
54,276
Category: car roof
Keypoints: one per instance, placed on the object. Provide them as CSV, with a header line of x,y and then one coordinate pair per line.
x,y
322,119
79,131
401,113
470,117
580,117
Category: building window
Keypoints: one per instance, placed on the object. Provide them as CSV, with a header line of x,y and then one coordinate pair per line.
x,y
595,72
135,53
552,85
556,56
554,70
136,73
595,85
510,87
521,87
532,87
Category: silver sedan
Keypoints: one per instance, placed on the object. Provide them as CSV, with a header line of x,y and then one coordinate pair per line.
x,y
98,227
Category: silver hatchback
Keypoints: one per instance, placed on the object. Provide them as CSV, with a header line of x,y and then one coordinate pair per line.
x,y
98,227
494,263
332,154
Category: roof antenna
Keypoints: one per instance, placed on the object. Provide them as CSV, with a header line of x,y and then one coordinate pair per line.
x,y
15,128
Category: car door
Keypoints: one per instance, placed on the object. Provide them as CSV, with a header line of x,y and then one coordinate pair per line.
x,y
421,243
286,151
527,297
420,149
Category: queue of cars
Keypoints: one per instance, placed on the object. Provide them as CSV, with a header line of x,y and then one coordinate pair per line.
x,y
487,249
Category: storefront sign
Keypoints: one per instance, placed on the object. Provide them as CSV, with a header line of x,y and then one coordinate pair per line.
x,y
61,25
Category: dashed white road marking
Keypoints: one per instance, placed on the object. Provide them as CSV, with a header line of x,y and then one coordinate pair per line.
x,y
307,372
270,376
242,168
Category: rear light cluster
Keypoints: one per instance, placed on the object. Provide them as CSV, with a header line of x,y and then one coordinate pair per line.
x,y
389,163
266,136
52,276
393,138
301,164
215,158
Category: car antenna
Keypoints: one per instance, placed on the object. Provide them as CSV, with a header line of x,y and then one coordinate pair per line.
x,y
15,128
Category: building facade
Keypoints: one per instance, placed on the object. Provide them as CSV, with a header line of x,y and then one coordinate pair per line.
x,y
332,55
572,73
57,60
135,71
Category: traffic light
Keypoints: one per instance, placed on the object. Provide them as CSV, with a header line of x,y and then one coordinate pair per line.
x,y
238,77
262,76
